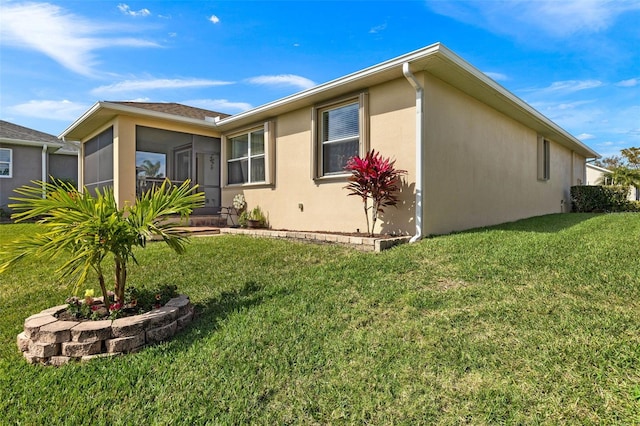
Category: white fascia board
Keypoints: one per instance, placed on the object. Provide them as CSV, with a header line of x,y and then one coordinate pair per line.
x,y
333,84
95,107
416,57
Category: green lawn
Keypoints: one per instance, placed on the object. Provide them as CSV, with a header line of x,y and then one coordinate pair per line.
x,y
534,322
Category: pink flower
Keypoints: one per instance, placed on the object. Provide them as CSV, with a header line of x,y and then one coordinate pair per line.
x,y
95,307
115,306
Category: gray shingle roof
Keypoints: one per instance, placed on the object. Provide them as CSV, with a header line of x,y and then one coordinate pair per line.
x,y
16,132
175,109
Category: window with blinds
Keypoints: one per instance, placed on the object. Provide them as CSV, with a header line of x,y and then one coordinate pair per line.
x,y
339,137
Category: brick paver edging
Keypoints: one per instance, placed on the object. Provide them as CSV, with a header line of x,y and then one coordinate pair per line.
x,y
49,341
361,243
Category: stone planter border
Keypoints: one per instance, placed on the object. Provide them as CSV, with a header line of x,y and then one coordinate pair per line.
x,y
359,242
49,341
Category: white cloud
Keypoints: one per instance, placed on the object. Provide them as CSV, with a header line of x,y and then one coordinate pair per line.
x,y
567,86
378,28
524,17
632,82
51,110
496,76
220,105
585,136
124,8
156,84
68,39
282,80
214,19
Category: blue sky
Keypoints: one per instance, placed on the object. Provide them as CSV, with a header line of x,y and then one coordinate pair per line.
x,y
576,61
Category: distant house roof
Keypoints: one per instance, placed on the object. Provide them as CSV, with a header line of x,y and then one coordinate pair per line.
x,y
175,109
14,132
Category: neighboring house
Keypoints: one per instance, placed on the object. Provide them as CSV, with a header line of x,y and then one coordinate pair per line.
x,y
596,174
27,155
475,154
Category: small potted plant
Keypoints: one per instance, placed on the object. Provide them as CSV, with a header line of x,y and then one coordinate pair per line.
x,y
254,218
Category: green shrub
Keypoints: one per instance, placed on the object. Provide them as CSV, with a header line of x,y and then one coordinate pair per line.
x,y
255,214
633,206
595,198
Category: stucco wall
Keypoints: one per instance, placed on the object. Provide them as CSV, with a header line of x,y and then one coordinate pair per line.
x,y
481,166
593,176
27,166
326,204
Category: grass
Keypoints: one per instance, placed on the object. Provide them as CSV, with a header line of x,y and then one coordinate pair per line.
x,y
533,322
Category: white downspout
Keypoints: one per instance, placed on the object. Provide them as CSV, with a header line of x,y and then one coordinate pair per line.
x,y
419,142
44,170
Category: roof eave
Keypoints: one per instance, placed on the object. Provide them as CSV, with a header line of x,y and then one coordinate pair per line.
x,y
344,84
547,127
52,146
71,131
423,59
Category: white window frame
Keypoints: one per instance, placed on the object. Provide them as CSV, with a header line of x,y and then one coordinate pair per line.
x,y
10,162
267,155
361,100
544,159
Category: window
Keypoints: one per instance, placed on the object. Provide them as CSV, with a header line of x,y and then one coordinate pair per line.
x,y
6,163
246,163
544,159
341,131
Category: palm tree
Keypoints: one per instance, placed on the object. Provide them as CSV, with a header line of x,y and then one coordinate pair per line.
x,y
150,169
623,176
84,230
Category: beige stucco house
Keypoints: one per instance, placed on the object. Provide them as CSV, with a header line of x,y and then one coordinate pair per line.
x,y
596,176
475,153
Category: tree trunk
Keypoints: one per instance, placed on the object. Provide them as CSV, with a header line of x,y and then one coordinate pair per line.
x,y
374,217
103,288
121,278
366,213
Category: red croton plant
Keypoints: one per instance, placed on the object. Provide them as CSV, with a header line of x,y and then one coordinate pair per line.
x,y
374,177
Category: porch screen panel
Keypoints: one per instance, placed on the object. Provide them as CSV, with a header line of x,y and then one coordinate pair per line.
x,y
98,161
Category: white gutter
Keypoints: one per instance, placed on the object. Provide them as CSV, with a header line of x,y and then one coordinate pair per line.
x,y
44,170
419,150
